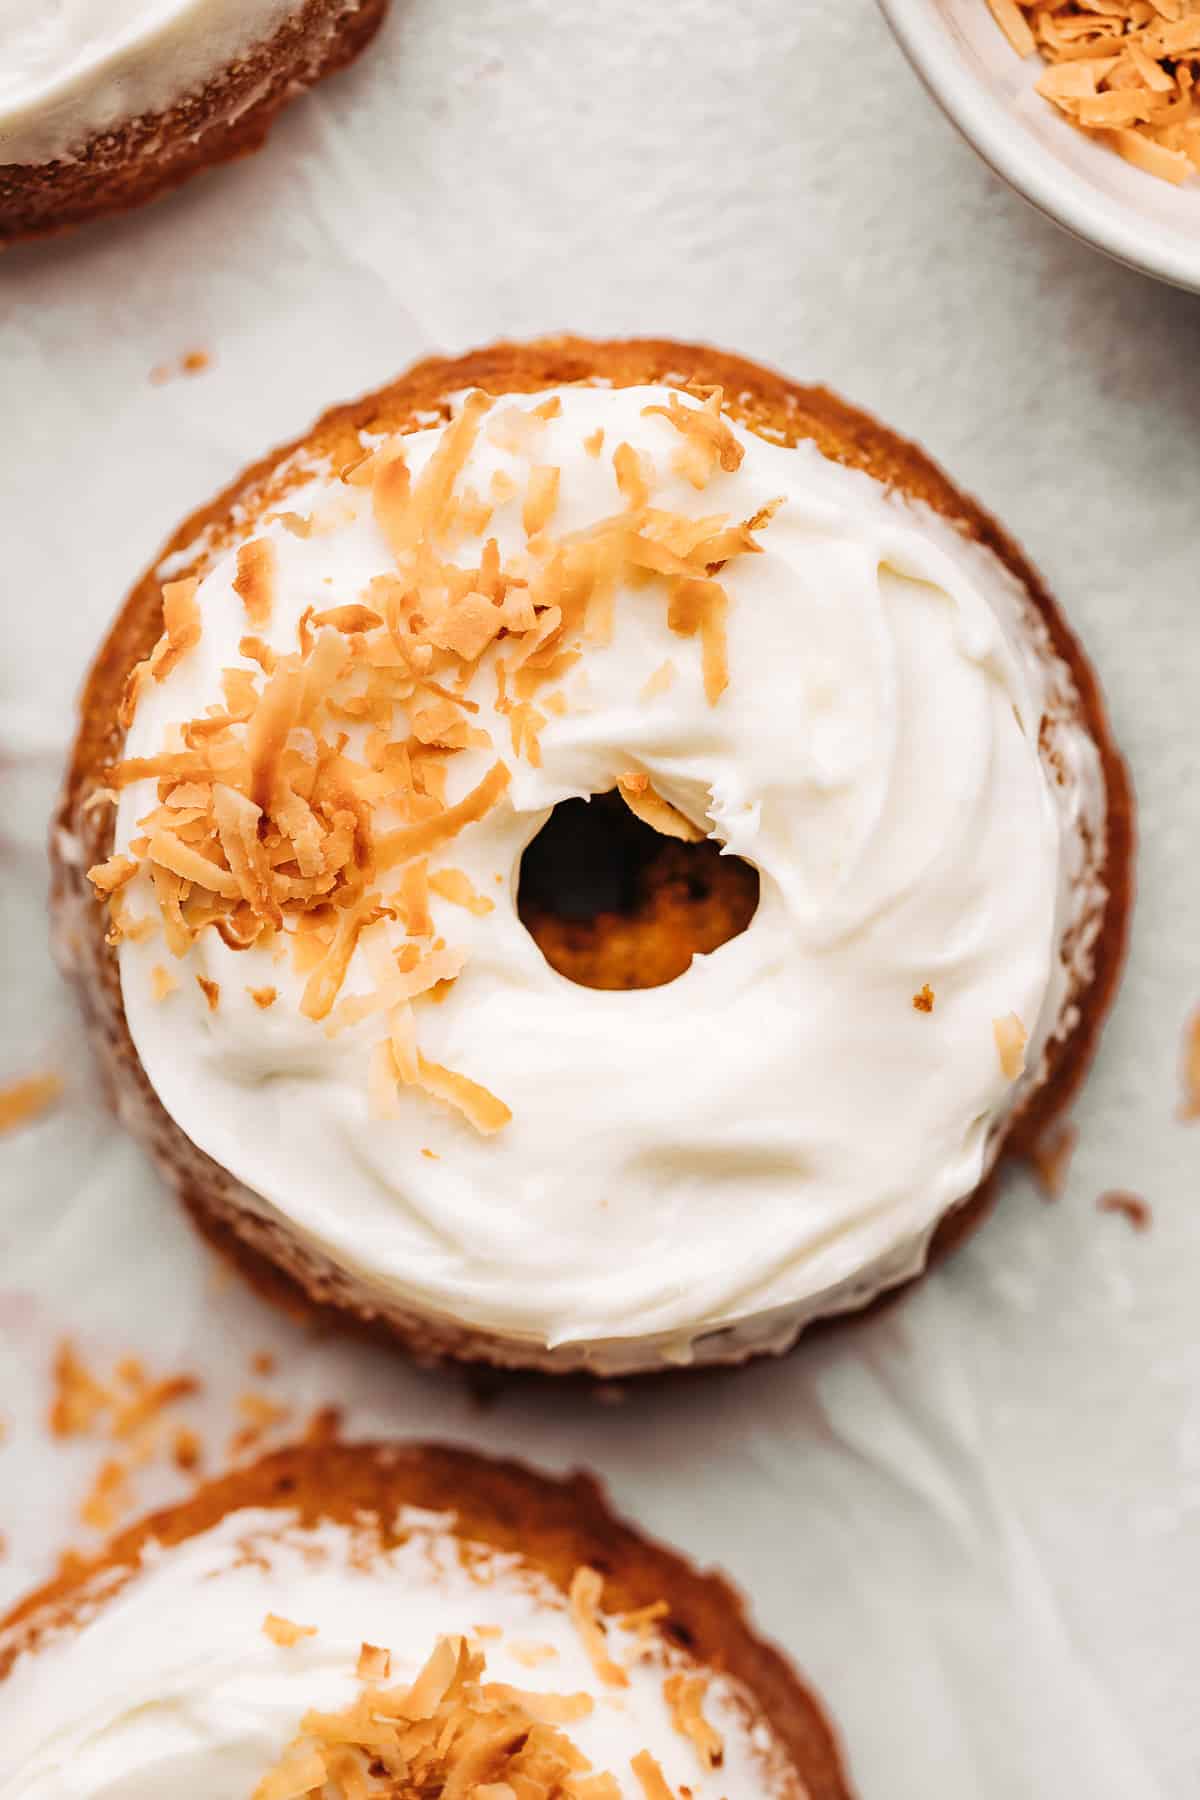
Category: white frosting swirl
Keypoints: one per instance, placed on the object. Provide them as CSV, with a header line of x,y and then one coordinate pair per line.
x,y
171,1686
76,69
776,1134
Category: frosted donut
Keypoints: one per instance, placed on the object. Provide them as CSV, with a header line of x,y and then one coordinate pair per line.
x,y
463,1625
351,693
105,104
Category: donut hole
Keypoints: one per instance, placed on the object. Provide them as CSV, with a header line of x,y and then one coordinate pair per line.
x,y
611,903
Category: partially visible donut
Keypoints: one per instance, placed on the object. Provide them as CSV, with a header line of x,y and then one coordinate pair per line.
x,y
549,571
241,1632
106,106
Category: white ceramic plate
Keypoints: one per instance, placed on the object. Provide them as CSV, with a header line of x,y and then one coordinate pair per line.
x,y
987,91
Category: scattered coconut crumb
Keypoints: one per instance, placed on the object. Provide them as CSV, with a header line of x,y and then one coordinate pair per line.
x,y
1050,1158
1123,71
263,996
263,1362
211,991
191,362
1138,1211
1189,1107
108,1497
260,1415
21,1102
924,1000
128,1409
1011,1039
284,1632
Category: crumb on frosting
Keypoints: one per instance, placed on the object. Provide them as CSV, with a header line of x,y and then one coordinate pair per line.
x,y
1011,1038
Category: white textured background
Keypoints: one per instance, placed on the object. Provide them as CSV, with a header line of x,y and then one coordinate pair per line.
x,y
975,1521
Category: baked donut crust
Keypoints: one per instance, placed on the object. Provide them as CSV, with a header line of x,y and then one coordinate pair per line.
x,y
762,401
229,117
557,1525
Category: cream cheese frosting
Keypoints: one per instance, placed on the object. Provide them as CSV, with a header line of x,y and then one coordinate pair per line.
x,y
74,70
171,1685
776,1134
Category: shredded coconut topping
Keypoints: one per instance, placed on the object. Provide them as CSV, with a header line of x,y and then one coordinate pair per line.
x,y
450,1733
268,830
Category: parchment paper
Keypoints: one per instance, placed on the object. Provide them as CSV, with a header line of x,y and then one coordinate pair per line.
x,y
973,1520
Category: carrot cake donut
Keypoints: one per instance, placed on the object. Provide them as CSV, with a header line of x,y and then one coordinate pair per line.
x,y
409,1622
331,720
106,103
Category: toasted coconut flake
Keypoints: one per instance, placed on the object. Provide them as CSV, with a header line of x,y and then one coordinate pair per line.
x,y
684,1695
374,1663
237,820
478,1106
593,443
349,618
587,1588
107,877
709,442
181,622
1139,1212
323,985
649,1773
456,886
659,682
284,1632
211,991
399,846
162,982
635,476
255,580
1014,25
303,1773
382,1077
21,1102
541,498
263,997
1011,1039
649,806
923,1001
413,898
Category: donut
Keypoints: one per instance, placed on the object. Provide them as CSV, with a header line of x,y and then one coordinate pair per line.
x,y
105,104
404,1620
328,729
